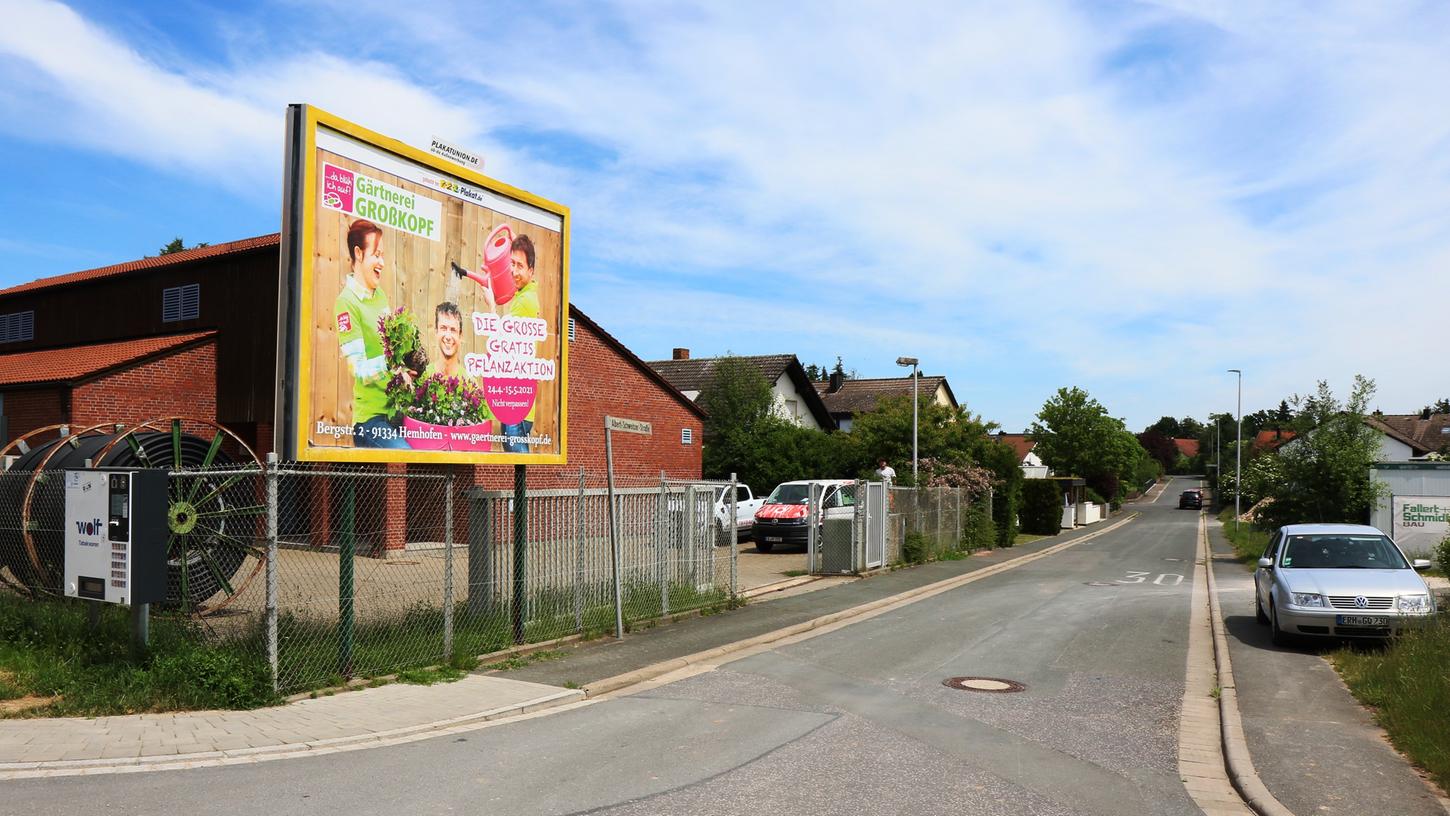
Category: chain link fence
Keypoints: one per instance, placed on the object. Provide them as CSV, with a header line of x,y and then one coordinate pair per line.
x,y
336,572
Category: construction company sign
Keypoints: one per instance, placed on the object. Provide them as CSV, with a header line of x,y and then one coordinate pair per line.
x,y
1419,522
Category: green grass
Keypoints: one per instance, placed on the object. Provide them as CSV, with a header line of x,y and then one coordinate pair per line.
x,y
1027,538
48,649
1248,542
795,573
1407,685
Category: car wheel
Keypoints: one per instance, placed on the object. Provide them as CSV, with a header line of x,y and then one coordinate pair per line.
x,y
764,546
1259,610
1279,636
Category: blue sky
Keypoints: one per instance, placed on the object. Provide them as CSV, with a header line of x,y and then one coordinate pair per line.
x,y
1125,197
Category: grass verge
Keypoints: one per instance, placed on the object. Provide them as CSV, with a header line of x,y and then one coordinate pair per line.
x,y
1248,541
49,650
1407,686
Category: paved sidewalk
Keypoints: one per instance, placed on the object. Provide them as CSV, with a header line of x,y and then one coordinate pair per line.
x,y
343,720
347,720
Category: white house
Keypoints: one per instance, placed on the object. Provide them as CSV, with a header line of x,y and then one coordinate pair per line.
x,y
795,397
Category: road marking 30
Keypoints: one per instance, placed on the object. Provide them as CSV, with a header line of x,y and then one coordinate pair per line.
x,y
1135,577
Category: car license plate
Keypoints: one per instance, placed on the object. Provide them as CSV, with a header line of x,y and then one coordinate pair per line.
x,y
1361,620
774,538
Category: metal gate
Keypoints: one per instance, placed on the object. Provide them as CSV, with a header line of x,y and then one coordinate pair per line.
x,y
875,524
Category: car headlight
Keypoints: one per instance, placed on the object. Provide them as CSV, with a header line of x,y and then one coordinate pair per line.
x,y
1307,599
1415,604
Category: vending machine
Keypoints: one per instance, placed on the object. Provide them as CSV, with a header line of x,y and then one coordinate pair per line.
x,y
115,535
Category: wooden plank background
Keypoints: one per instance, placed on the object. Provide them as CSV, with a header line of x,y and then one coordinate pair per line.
x,y
417,276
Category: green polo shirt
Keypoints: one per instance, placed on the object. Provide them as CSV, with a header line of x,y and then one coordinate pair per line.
x,y
357,314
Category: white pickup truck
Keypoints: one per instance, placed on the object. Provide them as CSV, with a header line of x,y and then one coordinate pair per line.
x,y
745,506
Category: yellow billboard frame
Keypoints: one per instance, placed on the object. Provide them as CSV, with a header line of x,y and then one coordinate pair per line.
x,y
296,320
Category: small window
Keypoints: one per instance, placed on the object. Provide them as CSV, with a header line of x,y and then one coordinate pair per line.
x,y
17,327
181,303
687,436
571,330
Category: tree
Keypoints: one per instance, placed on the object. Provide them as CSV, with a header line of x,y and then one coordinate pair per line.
x,y
739,407
1167,426
1160,447
1189,428
943,434
1324,474
1071,431
177,245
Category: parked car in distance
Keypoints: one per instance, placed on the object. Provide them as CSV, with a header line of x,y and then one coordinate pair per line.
x,y
1338,580
782,520
1190,500
746,504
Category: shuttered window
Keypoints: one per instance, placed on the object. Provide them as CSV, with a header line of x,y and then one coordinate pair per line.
x,y
687,436
17,327
181,303
571,330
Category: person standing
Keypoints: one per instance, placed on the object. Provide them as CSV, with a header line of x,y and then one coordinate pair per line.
x,y
359,307
885,472
525,303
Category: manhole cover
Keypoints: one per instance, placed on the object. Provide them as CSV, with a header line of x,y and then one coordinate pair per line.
x,y
992,685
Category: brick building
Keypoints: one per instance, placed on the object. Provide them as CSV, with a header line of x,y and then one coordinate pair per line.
x,y
194,333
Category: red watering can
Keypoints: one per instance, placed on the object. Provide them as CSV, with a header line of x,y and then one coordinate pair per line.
x,y
497,252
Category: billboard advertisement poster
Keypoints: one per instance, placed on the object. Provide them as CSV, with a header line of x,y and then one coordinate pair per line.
x,y
424,306
1420,522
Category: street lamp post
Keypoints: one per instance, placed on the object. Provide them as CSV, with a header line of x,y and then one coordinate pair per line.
x,y
1238,449
913,362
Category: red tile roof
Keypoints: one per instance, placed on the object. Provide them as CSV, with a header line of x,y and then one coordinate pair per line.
x,y
79,362
172,259
1270,439
1021,444
1187,447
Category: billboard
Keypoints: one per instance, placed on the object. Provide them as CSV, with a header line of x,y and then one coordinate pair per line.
x,y
423,306
1419,523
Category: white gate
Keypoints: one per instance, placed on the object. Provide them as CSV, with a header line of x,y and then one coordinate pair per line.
x,y
875,524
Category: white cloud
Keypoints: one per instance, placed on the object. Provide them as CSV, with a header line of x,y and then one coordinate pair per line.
x,y
1129,197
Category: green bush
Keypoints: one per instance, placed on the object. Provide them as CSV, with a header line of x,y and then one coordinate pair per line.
x,y
1442,556
1007,510
1041,507
1095,497
914,549
979,532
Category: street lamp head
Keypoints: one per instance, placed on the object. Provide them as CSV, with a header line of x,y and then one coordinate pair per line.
x,y
906,361
1234,371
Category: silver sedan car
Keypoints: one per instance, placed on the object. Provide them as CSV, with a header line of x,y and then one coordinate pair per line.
x,y
1338,580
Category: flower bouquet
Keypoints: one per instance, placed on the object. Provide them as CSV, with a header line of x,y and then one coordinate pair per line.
x,y
447,413
403,351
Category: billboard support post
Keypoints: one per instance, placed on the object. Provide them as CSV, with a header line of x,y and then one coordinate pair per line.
x,y
346,549
521,551
448,567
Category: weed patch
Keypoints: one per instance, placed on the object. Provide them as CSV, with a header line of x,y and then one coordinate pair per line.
x,y
1407,685
49,650
1248,541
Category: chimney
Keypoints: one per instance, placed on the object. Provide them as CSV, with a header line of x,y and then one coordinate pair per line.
x,y
681,354
836,379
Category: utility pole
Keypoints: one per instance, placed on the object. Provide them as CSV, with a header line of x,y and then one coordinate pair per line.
x,y
915,405
1238,449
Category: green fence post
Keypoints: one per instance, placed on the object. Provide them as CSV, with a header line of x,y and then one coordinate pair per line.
x,y
521,549
346,548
